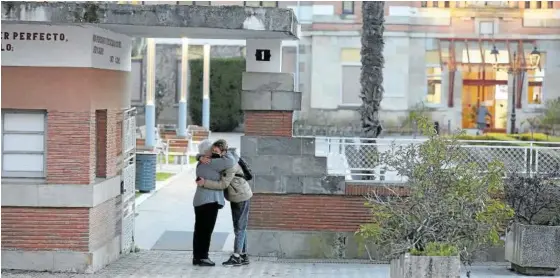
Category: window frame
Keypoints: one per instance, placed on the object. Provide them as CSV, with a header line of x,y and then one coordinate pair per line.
x,y
535,76
25,174
423,4
527,5
348,12
341,91
550,4
426,93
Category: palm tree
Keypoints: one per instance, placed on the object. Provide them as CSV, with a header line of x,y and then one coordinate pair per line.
x,y
371,80
373,16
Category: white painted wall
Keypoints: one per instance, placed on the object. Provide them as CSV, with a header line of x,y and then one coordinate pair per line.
x,y
64,46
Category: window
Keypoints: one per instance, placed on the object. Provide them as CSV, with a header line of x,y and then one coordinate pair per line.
x,y
424,4
446,4
535,91
273,4
550,4
486,27
433,95
539,5
527,4
23,144
351,87
348,7
435,4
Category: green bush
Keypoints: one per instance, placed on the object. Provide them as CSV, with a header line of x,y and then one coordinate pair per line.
x,y
453,207
440,249
225,93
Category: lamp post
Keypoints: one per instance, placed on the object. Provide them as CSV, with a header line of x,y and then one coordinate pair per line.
x,y
515,68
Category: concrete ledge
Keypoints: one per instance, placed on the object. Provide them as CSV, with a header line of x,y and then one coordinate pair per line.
x,y
328,245
162,21
268,81
17,193
62,261
302,245
270,101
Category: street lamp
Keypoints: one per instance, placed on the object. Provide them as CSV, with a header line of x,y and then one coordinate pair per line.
x,y
515,68
494,52
535,57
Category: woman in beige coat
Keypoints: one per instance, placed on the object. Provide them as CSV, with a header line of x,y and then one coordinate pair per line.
x,y
239,193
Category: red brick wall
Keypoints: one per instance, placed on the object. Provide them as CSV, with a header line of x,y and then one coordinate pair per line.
x,y
268,123
334,213
101,146
307,212
106,138
45,228
104,223
70,147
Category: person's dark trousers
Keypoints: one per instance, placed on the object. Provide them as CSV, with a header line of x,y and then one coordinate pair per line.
x,y
205,220
240,216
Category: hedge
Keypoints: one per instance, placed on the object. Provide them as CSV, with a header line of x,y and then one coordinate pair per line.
x,y
225,93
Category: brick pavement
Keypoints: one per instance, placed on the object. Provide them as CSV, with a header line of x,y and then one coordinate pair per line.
x,y
177,264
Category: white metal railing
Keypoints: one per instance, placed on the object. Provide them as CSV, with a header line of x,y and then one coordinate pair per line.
x,y
352,158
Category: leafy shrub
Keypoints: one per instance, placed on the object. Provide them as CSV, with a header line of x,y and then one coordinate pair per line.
x,y
452,204
436,249
534,199
225,93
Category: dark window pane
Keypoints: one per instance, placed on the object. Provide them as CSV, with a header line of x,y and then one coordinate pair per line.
x,y
435,4
527,4
424,4
348,7
550,4
446,4
539,4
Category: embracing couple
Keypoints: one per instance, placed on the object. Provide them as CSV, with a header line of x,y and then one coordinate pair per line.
x,y
221,175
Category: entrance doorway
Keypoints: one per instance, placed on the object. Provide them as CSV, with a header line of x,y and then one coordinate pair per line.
x,y
486,87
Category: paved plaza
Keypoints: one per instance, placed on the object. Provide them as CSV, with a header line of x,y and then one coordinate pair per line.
x,y
177,264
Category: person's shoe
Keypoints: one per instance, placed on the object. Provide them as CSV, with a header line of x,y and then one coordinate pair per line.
x,y
233,261
206,262
244,259
195,261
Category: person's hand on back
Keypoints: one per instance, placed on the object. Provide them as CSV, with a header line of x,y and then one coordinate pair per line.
x,y
204,159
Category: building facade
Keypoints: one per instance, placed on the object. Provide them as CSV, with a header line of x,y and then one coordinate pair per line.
x,y
438,57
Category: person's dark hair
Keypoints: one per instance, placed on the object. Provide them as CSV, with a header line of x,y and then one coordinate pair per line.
x,y
221,144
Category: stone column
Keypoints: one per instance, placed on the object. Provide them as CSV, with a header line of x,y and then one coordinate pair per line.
x,y
206,88
293,193
182,128
150,94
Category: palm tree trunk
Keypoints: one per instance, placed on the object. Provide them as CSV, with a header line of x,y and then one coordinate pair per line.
x,y
373,14
371,80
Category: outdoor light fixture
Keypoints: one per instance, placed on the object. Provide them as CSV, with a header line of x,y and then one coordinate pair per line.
x,y
494,52
535,57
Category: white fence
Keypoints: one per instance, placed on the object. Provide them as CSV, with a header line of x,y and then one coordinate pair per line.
x,y
352,158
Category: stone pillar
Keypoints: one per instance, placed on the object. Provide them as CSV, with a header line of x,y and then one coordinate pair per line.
x,y
206,88
150,94
182,128
297,210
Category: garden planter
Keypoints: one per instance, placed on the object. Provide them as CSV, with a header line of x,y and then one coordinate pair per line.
x,y
533,249
408,266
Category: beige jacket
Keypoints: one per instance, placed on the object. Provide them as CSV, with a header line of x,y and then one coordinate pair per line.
x,y
238,189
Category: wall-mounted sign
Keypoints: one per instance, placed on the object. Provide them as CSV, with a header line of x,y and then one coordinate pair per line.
x,y
262,54
32,45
